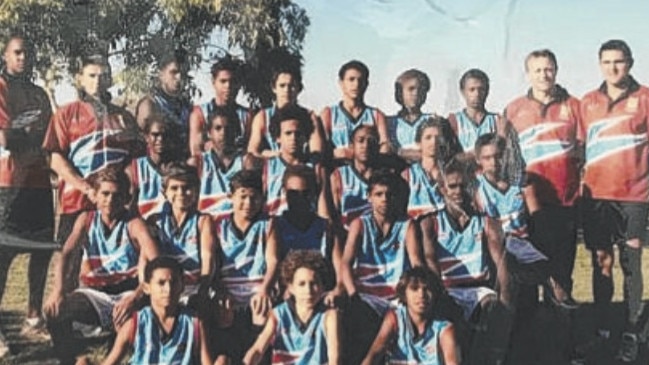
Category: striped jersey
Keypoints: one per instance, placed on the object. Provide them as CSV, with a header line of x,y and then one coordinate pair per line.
x,y
340,125
176,111
243,257
548,136
148,180
380,261
424,196
109,257
410,349
402,132
353,194
152,346
617,144
297,344
507,207
215,184
273,174
314,238
205,110
182,243
460,253
467,131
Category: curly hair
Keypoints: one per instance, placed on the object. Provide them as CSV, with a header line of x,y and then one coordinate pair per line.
x,y
307,259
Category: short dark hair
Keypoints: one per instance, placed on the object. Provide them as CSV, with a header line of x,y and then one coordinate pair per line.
x,y
354,65
412,74
12,35
424,276
95,59
163,262
477,74
490,139
304,172
180,171
455,165
385,177
307,259
372,129
617,45
178,56
154,118
112,174
295,73
249,179
291,112
227,63
228,113
542,53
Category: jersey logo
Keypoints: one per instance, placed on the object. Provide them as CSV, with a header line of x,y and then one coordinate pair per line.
x,y
632,105
539,144
599,145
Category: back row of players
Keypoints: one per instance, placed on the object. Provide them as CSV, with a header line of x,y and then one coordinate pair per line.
x,y
336,184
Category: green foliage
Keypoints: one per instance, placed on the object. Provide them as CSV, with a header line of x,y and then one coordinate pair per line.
x,y
135,33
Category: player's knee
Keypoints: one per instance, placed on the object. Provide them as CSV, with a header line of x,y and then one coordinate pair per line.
x,y
604,262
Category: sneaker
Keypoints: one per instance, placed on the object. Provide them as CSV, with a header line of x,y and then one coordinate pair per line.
x,y
35,329
628,347
4,346
559,296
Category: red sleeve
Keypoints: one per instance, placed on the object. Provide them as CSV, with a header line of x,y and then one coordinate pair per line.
x,y
56,138
5,119
201,118
326,121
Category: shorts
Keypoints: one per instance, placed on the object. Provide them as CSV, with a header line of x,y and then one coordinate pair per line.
x,y
103,304
27,213
469,298
609,222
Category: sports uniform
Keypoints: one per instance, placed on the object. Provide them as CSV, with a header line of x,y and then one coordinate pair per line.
x,y
340,125
313,238
273,174
146,176
412,349
353,194
297,343
176,110
215,184
467,131
205,110
402,132
424,196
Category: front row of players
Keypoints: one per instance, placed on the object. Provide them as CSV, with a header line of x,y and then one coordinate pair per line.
x,y
232,262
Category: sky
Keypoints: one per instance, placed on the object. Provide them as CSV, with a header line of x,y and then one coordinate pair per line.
x,y
444,38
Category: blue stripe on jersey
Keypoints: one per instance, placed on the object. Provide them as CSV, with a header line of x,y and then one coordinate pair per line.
x,y
149,346
353,199
275,198
508,207
468,132
314,238
412,349
535,150
207,108
294,345
461,254
150,198
424,196
92,153
243,259
215,185
268,115
181,243
178,116
599,145
108,257
402,133
380,261
343,124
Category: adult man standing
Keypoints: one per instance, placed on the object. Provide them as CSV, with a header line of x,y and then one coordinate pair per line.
x,y
547,122
616,186
25,190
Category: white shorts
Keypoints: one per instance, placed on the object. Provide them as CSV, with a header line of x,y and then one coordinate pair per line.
x,y
103,303
470,298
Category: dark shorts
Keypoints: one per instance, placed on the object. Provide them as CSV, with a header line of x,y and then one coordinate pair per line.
x,y
609,222
26,213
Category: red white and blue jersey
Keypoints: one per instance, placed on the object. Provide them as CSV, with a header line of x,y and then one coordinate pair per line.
x,y
412,349
148,180
207,109
617,144
297,344
467,131
215,185
243,257
152,346
176,110
506,207
402,132
314,238
461,252
268,115
89,145
548,136
380,261
353,194
109,257
340,125
182,243
273,174
424,196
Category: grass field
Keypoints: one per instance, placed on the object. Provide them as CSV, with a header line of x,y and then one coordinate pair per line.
x,y
538,343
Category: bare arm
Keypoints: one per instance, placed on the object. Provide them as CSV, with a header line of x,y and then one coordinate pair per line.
x,y
133,188
496,247
255,144
317,139
410,154
206,358
384,137
449,345
208,245
323,196
413,244
256,352
349,255
196,125
64,169
272,258
336,189
121,344
332,334
143,111
428,240
382,341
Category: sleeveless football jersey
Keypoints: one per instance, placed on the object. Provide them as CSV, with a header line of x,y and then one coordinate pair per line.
x,y
215,185
424,196
147,178
297,344
176,110
109,258
314,238
273,172
380,261
461,254
207,108
150,346
243,258
182,243
341,125
408,349
402,133
508,207
353,194
268,114
468,131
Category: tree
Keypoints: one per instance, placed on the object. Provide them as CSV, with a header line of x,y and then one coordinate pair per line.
x,y
135,33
